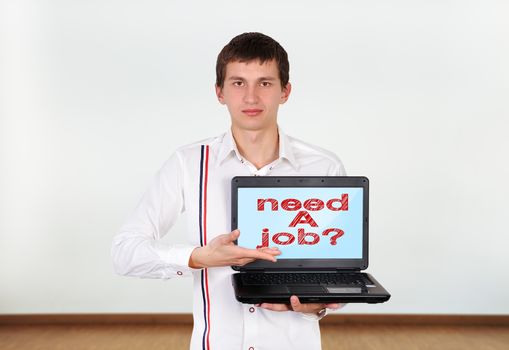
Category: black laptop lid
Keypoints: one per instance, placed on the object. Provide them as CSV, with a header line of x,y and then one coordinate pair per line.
x,y
318,223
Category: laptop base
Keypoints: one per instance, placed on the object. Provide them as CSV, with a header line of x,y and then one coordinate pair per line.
x,y
311,293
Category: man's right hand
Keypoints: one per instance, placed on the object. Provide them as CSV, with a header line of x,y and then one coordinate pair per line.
x,y
222,251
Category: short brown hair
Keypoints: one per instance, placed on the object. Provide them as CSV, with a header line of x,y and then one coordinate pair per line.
x,y
253,46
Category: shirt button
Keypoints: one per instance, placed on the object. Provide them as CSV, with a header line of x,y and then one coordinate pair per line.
x,y
179,273
251,348
251,309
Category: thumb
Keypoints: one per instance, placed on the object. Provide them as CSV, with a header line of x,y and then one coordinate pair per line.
x,y
225,238
295,302
234,235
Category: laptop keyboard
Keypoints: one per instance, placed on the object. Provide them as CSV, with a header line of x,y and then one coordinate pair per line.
x,y
356,279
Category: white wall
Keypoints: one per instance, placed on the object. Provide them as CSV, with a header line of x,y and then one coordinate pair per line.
x,y
95,95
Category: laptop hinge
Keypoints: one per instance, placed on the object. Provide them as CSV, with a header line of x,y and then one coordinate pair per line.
x,y
253,270
262,270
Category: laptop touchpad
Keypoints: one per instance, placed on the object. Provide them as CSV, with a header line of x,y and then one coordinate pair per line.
x,y
306,289
345,290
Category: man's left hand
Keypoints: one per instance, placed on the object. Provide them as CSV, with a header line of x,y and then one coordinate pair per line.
x,y
295,305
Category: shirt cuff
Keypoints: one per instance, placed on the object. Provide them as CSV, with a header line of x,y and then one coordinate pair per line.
x,y
177,257
314,316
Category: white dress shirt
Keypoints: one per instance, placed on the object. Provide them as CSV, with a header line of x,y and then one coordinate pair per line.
x,y
197,179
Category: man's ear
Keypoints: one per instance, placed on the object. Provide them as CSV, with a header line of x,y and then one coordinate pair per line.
x,y
219,94
285,93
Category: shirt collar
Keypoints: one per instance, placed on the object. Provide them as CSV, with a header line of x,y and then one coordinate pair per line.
x,y
229,147
286,149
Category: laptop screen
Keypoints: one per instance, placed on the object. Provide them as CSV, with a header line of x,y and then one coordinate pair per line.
x,y
303,222
318,223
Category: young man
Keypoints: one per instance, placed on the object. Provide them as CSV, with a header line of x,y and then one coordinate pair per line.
x,y
252,81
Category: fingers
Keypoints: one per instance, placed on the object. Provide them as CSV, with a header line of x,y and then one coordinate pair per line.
x,y
308,308
270,250
240,256
267,254
335,306
295,303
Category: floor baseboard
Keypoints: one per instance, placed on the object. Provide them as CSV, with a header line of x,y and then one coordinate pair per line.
x,y
400,319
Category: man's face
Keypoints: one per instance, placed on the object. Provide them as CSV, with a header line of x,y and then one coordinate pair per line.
x,y
252,92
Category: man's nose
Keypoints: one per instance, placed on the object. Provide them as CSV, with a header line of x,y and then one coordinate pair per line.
x,y
251,95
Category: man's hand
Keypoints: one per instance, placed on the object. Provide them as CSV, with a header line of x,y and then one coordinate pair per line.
x,y
295,305
221,251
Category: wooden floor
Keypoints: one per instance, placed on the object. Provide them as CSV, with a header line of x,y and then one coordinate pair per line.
x,y
334,337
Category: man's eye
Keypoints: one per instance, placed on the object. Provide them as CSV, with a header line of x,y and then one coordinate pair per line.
x,y
265,83
238,83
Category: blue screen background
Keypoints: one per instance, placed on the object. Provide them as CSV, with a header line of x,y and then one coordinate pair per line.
x,y
251,221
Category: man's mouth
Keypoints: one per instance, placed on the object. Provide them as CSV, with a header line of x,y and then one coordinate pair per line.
x,y
252,112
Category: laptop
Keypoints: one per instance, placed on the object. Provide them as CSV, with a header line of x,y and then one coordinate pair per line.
x,y
320,225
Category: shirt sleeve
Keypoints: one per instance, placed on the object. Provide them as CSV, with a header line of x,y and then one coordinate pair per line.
x,y
337,168
137,250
